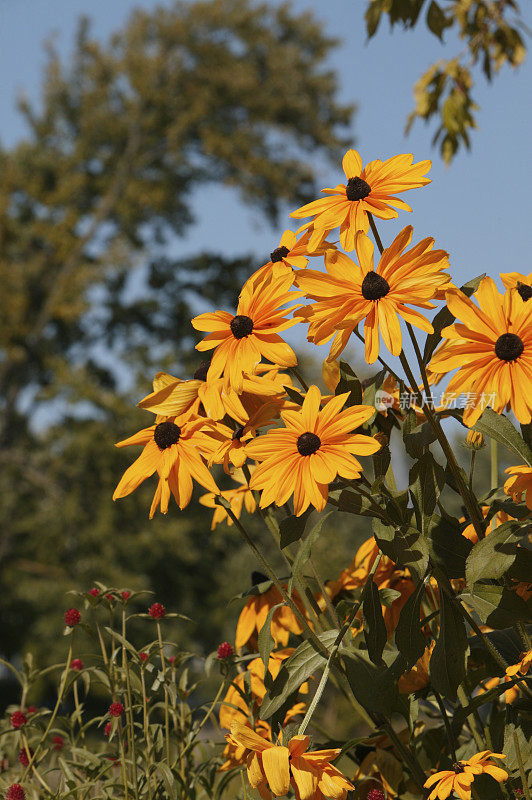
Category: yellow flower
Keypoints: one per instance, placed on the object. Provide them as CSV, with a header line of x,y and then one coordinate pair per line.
x,y
519,484
305,456
239,498
254,614
241,340
291,253
521,667
474,440
310,773
492,349
521,283
351,292
173,449
369,189
460,778
234,706
229,443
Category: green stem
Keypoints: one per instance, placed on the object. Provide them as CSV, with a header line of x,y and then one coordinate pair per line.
x,y
448,729
522,772
494,465
273,577
166,699
304,384
375,233
129,711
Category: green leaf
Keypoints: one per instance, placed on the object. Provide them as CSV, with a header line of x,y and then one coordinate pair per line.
x,y
294,395
349,382
493,556
373,16
375,627
448,549
417,437
448,661
294,672
499,427
292,528
354,503
370,684
427,479
408,635
404,545
497,606
436,20
266,641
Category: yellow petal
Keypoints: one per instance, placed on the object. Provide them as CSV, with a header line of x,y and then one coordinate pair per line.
x,y
276,766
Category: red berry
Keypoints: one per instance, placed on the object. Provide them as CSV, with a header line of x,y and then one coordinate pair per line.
x,y
59,742
375,794
72,617
126,595
107,730
94,592
143,656
225,650
15,792
23,756
76,664
116,709
18,719
157,611
109,597
172,660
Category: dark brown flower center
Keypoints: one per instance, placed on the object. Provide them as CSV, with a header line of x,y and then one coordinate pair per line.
x,y
166,434
524,290
374,286
357,189
308,443
257,577
458,768
508,347
278,254
241,326
201,372
238,433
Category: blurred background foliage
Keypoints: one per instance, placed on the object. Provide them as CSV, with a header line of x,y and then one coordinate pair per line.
x,y
93,205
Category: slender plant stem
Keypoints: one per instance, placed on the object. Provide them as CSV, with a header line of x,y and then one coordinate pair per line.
x,y
448,729
375,233
129,711
271,574
474,721
334,650
302,381
522,773
472,470
166,698
494,464
147,738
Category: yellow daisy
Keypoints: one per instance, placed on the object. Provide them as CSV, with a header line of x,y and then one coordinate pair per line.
x,y
367,190
521,283
519,484
492,349
240,341
350,292
256,610
461,776
291,253
229,443
239,498
305,456
173,449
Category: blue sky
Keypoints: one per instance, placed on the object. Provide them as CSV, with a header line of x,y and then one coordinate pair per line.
x,y
478,209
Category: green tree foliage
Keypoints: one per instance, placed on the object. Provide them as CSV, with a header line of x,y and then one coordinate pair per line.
x,y
186,96
491,34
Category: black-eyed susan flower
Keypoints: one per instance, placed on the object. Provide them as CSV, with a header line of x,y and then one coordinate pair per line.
x,y
305,456
492,350
240,341
369,189
349,293
279,767
239,498
291,253
461,776
229,443
172,448
255,612
519,484
521,283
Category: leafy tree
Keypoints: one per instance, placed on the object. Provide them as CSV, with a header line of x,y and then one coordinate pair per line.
x,y
221,92
492,33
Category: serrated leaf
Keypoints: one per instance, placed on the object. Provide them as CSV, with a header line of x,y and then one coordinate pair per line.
x,y
497,606
408,635
375,627
499,427
294,672
493,556
447,666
